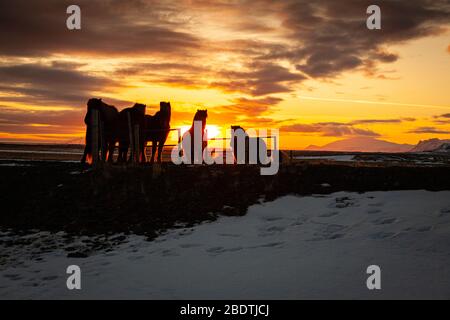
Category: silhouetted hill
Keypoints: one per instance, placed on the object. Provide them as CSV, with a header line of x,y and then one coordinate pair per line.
x,y
363,144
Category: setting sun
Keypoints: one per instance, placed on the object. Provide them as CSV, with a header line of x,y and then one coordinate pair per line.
x,y
212,130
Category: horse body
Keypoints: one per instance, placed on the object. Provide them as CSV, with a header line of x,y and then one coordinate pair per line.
x,y
130,117
108,120
157,128
238,133
188,144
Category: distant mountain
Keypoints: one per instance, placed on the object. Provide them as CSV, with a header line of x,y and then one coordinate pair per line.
x,y
445,147
363,144
429,145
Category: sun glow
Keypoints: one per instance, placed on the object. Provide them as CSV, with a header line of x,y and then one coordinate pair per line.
x,y
212,130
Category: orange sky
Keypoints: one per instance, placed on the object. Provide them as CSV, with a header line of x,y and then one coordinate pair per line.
x,y
311,70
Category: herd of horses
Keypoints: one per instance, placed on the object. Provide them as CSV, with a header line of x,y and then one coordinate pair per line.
x,y
116,128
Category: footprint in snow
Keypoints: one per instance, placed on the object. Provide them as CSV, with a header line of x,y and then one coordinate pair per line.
x,y
424,228
268,245
169,253
328,214
272,218
219,250
381,235
382,221
376,204
189,245
233,235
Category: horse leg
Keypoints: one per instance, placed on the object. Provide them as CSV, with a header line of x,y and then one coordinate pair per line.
x,y
143,155
111,147
87,145
120,155
103,145
153,151
85,154
160,150
123,152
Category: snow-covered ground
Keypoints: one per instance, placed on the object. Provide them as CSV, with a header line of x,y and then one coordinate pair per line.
x,y
291,248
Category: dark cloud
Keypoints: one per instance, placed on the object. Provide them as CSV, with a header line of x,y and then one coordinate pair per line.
x,y
321,39
250,107
54,118
341,128
36,28
54,84
331,36
374,121
442,118
18,121
262,80
159,69
433,130
328,129
325,63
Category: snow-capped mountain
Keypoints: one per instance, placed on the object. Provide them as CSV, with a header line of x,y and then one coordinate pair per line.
x,y
430,145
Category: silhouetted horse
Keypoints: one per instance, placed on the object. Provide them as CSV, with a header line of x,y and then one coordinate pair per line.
x,y
130,117
188,144
248,141
108,119
157,128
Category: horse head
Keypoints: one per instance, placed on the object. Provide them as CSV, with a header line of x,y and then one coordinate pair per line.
x,y
201,115
92,104
165,113
164,107
237,128
139,108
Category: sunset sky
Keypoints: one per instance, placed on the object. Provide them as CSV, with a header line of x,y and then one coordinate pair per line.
x,y
310,68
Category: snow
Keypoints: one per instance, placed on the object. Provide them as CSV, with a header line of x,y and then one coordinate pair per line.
x,y
429,145
32,162
292,248
12,164
64,152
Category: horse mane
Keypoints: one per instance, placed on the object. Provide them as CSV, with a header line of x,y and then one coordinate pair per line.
x,y
201,115
97,103
102,107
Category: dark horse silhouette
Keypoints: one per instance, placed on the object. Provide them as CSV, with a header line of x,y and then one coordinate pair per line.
x,y
130,117
157,128
108,119
259,143
188,144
